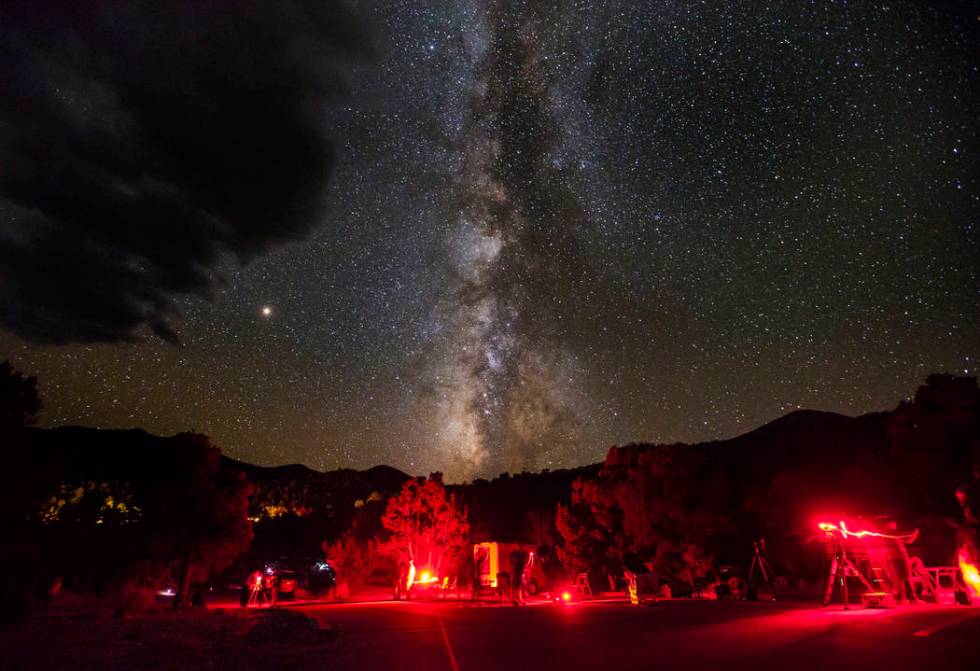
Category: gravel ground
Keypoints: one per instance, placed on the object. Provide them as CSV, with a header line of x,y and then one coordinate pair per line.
x,y
159,640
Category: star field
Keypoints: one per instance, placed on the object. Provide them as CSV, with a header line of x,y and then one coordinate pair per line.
x,y
556,226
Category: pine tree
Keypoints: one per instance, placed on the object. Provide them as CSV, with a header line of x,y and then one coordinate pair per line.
x,y
426,524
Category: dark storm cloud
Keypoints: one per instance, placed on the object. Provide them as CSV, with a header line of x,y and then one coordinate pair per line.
x,y
142,142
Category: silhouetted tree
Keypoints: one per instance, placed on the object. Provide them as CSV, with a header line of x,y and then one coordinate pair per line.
x,y
363,554
934,439
19,400
19,406
198,515
656,503
116,514
587,530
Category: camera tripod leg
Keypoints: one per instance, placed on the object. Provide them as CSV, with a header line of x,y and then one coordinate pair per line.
x,y
767,576
831,577
843,589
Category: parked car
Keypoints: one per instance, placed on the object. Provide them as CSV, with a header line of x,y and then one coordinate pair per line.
x,y
284,578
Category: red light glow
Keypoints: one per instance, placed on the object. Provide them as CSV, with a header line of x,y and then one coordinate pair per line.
x,y
425,578
566,596
970,574
830,528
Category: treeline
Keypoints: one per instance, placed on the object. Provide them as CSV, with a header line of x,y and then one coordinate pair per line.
x,y
684,510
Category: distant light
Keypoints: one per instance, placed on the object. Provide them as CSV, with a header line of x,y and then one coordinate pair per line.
x,y
266,311
566,596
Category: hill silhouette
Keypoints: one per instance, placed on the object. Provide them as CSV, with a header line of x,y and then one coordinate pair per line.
x,y
905,460
791,440
81,453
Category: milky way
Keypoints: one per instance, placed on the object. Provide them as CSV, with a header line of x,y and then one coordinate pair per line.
x,y
511,390
548,227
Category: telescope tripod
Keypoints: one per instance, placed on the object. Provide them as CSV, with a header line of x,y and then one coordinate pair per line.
x,y
759,562
257,594
841,569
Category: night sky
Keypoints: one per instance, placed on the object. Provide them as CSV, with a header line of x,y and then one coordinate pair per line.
x,y
479,237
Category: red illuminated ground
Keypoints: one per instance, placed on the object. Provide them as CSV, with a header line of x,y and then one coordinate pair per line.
x,y
413,636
